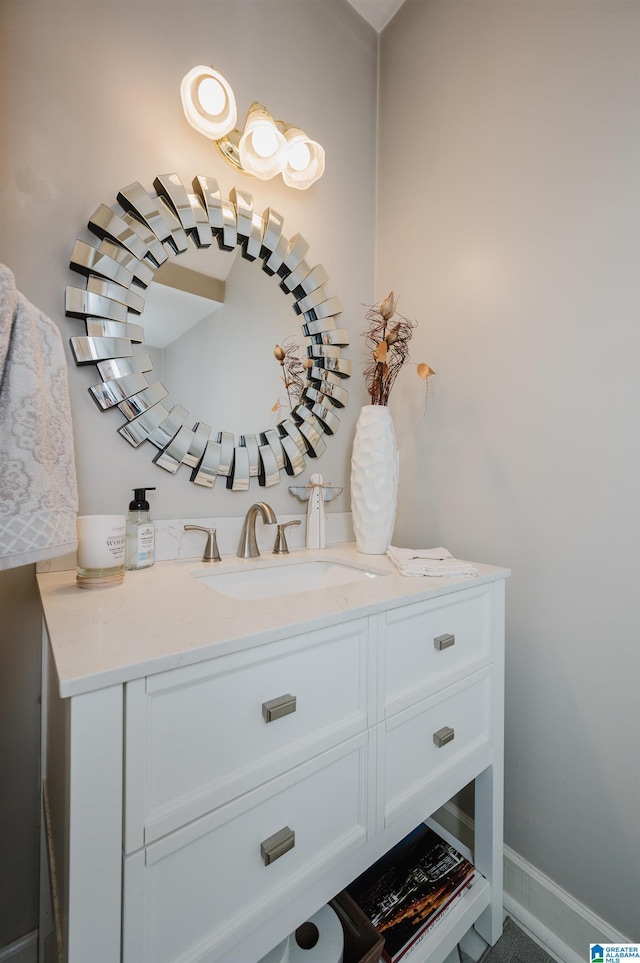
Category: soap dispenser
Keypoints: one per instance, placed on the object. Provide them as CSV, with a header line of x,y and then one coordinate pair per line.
x,y
140,550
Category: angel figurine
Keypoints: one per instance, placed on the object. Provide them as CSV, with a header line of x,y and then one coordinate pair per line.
x,y
316,493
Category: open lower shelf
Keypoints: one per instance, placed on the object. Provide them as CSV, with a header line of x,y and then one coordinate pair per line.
x,y
442,939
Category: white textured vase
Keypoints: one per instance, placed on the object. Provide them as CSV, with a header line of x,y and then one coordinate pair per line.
x,y
374,480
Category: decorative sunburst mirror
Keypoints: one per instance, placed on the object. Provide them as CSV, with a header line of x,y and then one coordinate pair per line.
x,y
138,236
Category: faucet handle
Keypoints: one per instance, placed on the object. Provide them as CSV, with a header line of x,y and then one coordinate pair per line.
x,y
211,553
281,547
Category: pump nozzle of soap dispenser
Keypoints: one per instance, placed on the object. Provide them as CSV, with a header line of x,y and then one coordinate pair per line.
x,y
140,503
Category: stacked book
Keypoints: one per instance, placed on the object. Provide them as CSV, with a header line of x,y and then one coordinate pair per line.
x,y
411,889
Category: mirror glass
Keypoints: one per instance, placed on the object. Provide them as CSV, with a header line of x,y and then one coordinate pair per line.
x,y
212,322
212,332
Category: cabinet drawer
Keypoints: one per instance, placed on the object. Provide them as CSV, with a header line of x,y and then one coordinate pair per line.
x,y
200,735
430,644
447,737
192,894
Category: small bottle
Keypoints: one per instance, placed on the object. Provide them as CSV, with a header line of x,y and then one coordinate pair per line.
x,y
140,550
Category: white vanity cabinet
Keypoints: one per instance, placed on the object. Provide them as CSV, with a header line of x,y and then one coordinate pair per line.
x,y
201,809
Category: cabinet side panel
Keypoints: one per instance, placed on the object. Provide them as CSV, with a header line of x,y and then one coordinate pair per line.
x,y
489,795
56,790
95,819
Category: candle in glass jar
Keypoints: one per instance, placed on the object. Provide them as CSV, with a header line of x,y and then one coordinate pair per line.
x,y
101,544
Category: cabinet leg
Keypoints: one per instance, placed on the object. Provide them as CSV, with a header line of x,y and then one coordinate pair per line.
x,y
488,850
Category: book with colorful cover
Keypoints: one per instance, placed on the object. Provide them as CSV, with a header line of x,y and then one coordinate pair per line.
x,y
405,891
435,920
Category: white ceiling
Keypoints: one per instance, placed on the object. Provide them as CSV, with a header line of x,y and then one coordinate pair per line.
x,y
377,12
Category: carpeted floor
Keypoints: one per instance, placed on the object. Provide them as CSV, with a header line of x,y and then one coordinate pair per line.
x,y
515,947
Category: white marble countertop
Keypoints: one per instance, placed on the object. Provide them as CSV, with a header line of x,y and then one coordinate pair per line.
x,y
162,617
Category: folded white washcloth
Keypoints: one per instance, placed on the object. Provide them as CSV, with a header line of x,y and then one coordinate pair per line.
x,y
429,561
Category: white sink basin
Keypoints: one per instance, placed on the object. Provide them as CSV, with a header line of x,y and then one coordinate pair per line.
x,y
266,580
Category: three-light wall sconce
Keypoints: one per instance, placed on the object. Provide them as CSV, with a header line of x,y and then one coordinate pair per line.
x,y
265,147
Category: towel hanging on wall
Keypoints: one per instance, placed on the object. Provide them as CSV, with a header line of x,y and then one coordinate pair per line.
x,y
38,487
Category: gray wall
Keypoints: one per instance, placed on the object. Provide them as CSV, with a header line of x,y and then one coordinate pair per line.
x,y
509,224
19,752
95,105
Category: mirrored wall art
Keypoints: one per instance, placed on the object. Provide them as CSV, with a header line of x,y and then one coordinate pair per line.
x,y
170,296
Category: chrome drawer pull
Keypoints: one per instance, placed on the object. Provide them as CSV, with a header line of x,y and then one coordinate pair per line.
x,y
276,708
443,736
277,845
444,641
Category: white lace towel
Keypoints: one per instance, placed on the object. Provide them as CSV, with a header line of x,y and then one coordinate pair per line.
x,y
38,489
429,561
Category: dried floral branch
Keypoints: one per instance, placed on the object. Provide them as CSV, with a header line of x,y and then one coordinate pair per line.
x,y
293,369
424,371
388,342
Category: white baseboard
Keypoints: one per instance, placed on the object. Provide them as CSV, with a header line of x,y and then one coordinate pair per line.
x,y
24,950
553,918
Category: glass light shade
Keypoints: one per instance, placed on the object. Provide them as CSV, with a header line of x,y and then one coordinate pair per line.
x,y
208,102
262,147
305,160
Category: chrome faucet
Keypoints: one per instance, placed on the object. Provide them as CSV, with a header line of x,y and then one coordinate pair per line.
x,y
248,547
